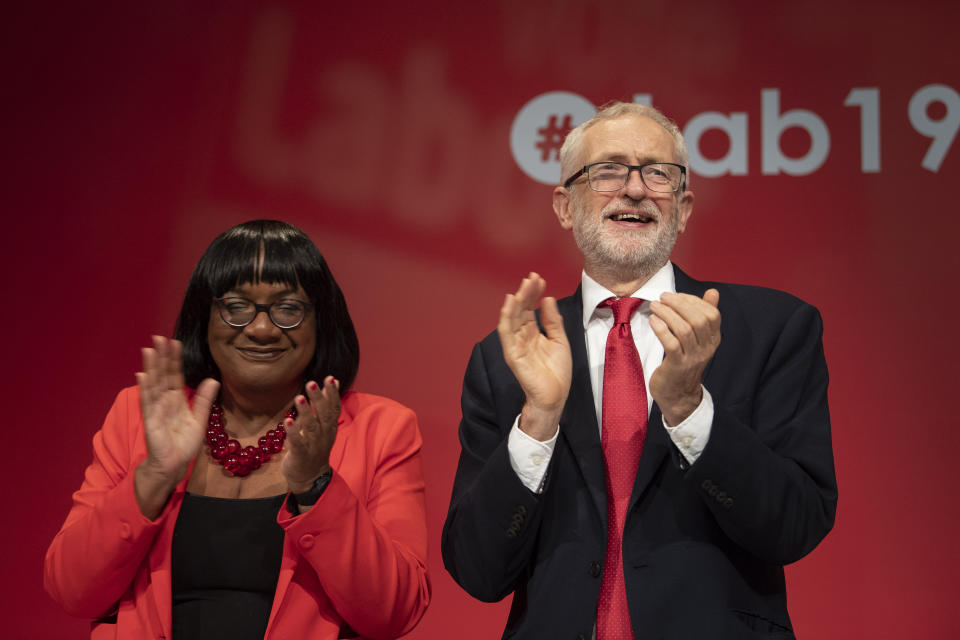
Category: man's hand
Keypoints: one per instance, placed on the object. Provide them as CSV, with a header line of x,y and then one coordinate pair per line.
x,y
689,329
542,363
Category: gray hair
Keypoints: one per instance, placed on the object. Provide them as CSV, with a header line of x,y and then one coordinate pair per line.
x,y
570,150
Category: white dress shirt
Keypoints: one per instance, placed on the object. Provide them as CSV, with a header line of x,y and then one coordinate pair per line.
x,y
529,457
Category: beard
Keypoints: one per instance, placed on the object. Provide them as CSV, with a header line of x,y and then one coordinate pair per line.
x,y
627,252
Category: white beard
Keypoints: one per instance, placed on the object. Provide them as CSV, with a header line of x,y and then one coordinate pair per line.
x,y
622,251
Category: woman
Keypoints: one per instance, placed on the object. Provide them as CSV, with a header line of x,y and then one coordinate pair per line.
x,y
241,490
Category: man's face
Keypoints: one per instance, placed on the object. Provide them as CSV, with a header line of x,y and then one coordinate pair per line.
x,y
608,242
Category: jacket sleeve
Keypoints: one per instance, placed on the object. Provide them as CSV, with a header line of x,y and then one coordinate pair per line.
x,y
491,526
370,555
94,558
767,472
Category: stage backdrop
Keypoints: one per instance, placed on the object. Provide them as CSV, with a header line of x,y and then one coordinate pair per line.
x,y
415,142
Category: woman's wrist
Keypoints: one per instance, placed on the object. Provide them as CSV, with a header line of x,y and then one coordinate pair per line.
x,y
309,496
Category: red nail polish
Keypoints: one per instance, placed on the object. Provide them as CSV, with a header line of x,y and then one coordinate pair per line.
x,y
312,386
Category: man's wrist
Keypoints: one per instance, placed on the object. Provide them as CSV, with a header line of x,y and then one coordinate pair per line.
x,y
539,424
676,412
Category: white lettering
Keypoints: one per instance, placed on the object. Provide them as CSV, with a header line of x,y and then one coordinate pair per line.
x,y
735,161
773,160
869,102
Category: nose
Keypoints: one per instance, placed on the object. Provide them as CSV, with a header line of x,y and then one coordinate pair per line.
x,y
634,187
261,328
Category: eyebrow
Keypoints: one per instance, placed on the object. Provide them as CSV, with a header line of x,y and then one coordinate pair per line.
x,y
619,157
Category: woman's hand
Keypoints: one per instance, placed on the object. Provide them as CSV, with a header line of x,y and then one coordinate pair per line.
x,y
310,437
174,431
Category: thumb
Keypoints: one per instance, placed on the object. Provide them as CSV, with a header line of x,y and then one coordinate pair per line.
x,y
712,296
551,319
204,398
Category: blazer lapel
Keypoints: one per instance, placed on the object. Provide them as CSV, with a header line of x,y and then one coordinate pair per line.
x,y
578,423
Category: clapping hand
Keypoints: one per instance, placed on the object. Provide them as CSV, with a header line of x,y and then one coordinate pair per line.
x,y
174,430
689,329
311,435
541,363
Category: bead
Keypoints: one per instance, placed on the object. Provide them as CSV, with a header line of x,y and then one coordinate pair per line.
x,y
234,457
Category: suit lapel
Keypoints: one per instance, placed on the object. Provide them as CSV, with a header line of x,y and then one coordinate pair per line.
x,y
578,424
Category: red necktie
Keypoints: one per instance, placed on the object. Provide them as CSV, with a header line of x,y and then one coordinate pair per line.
x,y
624,428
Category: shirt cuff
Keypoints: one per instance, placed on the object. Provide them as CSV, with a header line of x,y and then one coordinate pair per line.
x,y
529,457
692,434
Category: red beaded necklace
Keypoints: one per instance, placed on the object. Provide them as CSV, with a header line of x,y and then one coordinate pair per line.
x,y
238,460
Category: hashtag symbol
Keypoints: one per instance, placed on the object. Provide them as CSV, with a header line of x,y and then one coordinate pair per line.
x,y
552,136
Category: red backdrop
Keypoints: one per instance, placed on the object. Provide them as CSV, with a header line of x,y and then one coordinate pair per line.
x,y
133,135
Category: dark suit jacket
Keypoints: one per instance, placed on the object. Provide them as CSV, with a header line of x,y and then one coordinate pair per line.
x,y
704,545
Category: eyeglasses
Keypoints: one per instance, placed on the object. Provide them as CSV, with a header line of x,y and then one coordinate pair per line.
x,y
662,177
286,313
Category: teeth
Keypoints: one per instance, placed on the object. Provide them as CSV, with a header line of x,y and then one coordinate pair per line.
x,y
629,217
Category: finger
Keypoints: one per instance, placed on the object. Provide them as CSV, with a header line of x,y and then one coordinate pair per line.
x,y
305,422
702,317
146,397
175,364
295,440
512,316
552,320
204,398
676,324
160,362
325,400
331,401
518,309
670,343
147,379
531,288
315,395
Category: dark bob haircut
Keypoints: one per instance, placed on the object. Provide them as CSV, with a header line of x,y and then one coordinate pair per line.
x,y
289,258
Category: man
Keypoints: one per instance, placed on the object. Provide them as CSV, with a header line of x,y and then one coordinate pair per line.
x,y
625,472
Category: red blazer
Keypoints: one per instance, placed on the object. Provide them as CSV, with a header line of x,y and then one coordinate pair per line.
x,y
357,558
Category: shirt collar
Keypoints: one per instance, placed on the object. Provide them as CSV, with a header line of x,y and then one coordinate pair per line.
x,y
594,293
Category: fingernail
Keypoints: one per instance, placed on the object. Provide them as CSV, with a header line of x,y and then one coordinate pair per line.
x,y
313,386
301,400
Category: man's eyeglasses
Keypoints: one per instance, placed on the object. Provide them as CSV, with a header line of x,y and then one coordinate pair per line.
x,y
662,177
286,313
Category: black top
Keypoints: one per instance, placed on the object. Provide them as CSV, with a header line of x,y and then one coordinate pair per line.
x,y
225,562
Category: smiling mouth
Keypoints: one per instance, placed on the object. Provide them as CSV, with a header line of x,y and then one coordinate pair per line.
x,y
260,354
638,217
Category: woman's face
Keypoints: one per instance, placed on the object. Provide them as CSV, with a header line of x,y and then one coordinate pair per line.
x,y
261,355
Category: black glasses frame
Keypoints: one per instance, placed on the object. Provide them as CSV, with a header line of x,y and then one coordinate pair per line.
x,y
630,167
258,308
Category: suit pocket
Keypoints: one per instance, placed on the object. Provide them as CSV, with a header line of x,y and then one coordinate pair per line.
x,y
764,626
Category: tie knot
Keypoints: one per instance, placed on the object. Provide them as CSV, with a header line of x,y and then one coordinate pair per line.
x,y
623,308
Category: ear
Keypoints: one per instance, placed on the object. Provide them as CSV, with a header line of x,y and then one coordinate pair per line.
x,y
684,209
561,207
